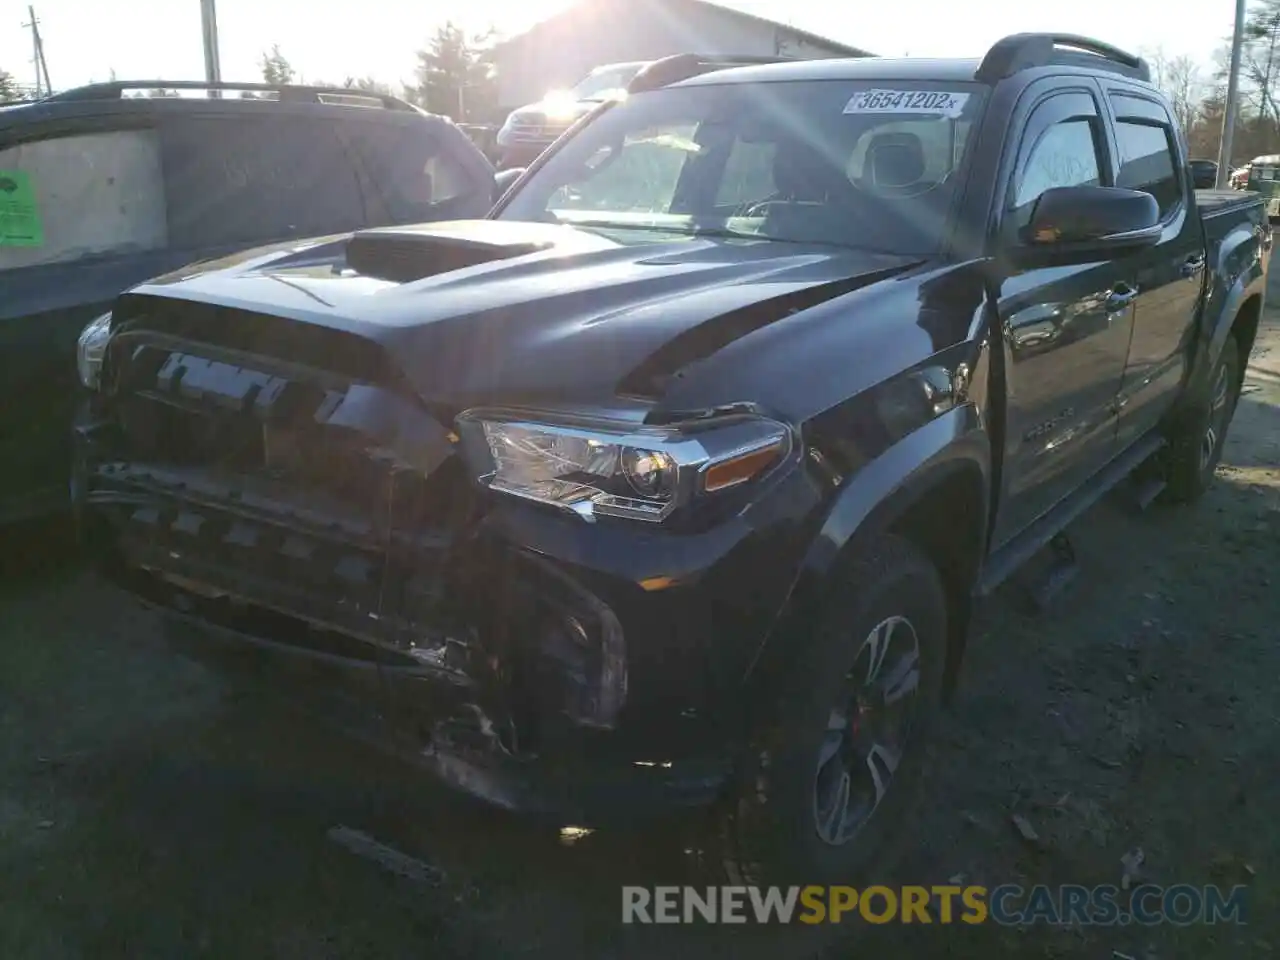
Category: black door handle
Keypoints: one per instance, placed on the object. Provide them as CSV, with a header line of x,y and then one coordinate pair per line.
x,y
1121,297
1193,265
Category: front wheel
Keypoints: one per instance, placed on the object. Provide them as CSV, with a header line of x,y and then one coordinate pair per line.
x,y
836,772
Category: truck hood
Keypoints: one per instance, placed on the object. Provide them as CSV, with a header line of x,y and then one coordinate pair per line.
x,y
493,312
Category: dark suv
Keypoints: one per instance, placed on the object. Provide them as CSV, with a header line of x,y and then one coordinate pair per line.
x,y
104,186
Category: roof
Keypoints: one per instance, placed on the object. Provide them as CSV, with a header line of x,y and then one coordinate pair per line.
x,y
109,99
870,68
805,35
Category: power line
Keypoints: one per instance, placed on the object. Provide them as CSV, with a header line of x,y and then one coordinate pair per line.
x,y
37,48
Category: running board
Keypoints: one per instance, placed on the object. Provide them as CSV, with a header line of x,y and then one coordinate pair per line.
x,y
1063,569
1147,492
1017,552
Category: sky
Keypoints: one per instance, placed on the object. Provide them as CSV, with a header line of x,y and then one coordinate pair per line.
x,y
327,40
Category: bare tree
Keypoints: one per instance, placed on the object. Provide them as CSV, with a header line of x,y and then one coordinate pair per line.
x,y
1182,81
1260,63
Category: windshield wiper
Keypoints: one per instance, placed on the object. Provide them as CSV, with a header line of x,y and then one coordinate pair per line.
x,y
722,233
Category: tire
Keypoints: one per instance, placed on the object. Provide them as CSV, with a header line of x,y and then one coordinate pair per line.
x,y
770,829
1195,445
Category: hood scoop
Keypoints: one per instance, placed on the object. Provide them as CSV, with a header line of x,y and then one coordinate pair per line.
x,y
403,256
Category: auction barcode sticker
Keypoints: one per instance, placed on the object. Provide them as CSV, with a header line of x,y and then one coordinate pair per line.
x,y
935,102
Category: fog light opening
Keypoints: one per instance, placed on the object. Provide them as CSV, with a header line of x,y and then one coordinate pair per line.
x,y
571,835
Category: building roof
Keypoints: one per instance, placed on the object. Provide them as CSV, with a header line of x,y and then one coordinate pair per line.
x,y
804,35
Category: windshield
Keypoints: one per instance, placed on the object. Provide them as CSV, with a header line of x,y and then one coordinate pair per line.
x,y
830,162
606,83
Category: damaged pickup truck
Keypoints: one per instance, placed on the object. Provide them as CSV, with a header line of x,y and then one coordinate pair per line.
x,y
674,481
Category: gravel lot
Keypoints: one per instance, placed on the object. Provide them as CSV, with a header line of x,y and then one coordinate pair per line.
x,y
147,811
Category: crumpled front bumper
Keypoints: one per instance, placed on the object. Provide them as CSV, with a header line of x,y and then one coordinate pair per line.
x,y
279,594
574,787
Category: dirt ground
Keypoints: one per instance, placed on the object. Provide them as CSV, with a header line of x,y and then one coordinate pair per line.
x,y
148,811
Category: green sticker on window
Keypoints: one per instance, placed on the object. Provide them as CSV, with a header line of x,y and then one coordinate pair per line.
x,y
19,216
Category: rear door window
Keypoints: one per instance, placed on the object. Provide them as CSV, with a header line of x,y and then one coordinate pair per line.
x,y
83,195
1147,144
248,180
1147,162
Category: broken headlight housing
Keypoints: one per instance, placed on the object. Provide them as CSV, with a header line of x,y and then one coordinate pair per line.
x,y
618,469
91,348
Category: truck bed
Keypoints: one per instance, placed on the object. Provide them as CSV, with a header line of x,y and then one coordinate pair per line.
x,y
1223,211
1214,202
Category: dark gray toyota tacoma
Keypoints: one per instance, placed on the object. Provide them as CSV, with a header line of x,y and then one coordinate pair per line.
x,y
674,481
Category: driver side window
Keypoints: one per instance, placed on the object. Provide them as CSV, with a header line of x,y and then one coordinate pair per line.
x,y
1065,155
639,175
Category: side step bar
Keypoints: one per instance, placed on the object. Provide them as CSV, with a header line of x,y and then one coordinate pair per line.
x,y
1147,492
1063,569
1017,552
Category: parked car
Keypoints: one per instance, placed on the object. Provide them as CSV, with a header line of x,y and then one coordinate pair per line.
x,y
1240,177
674,481
530,129
103,188
1264,178
1204,174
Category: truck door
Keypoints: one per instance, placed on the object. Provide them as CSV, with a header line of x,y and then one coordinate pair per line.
x,y
1170,275
1066,327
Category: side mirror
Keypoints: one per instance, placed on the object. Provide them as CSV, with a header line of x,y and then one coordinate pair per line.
x,y
503,179
1078,224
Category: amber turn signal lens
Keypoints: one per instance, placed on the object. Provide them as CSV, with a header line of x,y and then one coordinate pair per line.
x,y
740,469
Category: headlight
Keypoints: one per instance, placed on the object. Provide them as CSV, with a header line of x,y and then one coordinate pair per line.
x,y
90,349
620,470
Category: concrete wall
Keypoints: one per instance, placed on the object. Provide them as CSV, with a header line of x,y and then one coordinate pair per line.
x,y
560,51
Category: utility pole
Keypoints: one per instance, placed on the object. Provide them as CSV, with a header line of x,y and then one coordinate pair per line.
x,y
1231,110
209,24
37,49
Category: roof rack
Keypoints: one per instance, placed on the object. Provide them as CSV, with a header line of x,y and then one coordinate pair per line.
x,y
1022,51
115,90
682,66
